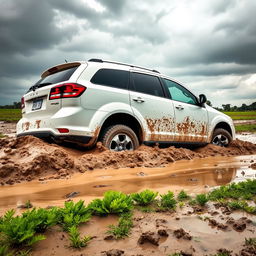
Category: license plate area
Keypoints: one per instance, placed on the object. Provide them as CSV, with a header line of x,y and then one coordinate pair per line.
x,y
37,104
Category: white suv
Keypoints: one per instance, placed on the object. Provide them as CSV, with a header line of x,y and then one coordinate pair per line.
x,y
121,105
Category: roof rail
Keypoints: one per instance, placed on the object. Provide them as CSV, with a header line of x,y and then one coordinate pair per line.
x,y
125,64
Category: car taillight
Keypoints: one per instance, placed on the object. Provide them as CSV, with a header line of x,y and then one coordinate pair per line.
x,y
22,105
67,90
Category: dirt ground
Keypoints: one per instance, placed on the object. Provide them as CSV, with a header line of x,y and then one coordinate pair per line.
x,y
48,174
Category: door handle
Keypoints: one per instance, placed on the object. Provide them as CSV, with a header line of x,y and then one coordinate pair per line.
x,y
138,99
179,107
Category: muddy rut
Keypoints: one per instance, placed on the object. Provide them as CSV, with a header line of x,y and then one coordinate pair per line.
x,y
29,158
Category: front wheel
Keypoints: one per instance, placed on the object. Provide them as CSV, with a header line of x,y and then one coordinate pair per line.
x,y
221,137
120,137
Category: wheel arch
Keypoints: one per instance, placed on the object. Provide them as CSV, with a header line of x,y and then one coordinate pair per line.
x,y
125,119
225,126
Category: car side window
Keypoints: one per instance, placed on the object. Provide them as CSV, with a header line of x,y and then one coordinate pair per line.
x,y
111,77
179,93
146,84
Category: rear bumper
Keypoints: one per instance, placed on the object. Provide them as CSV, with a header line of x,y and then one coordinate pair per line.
x,y
84,140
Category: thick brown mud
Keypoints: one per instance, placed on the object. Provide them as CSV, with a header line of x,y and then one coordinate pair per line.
x,y
194,176
29,158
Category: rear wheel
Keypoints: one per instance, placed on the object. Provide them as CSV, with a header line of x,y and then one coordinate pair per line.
x,y
221,137
120,137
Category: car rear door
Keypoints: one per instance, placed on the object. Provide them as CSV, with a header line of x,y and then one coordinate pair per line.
x,y
191,118
149,104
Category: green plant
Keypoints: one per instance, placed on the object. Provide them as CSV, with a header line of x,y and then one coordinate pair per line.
x,y
28,204
112,202
123,228
182,196
19,230
202,199
4,251
251,241
175,254
145,197
23,253
75,240
181,204
167,200
73,214
235,205
42,218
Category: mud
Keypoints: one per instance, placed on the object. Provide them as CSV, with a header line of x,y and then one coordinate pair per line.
x,y
28,158
145,239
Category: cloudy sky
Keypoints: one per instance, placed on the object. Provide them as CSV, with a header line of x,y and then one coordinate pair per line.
x,y
208,45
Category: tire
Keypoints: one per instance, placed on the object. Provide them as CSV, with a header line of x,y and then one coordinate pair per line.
x,y
221,137
120,137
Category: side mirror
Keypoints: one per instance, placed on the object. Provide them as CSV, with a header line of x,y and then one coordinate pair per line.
x,y
202,99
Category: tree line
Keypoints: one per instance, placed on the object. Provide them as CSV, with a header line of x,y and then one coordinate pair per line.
x,y
225,107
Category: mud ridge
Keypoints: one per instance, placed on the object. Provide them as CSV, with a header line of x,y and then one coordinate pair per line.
x,y
28,158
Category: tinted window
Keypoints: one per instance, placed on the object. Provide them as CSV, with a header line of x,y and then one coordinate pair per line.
x,y
179,93
147,84
111,77
54,78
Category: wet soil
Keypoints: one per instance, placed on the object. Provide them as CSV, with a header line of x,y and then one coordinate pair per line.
x,y
194,176
186,233
29,158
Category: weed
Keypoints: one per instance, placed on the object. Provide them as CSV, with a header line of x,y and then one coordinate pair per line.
x,y
202,199
75,240
250,241
236,205
182,196
28,204
192,202
4,251
113,202
42,218
145,197
168,201
175,254
73,214
123,228
23,253
181,204
147,209
19,230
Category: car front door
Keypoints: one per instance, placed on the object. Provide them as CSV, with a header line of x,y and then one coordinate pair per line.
x,y
191,119
150,104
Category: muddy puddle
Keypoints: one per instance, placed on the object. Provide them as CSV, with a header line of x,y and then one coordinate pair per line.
x,y
194,176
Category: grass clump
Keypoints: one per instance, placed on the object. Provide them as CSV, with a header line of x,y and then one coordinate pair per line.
x,y
113,202
183,196
73,214
145,197
243,190
19,231
4,251
167,201
75,240
42,218
202,199
251,242
122,229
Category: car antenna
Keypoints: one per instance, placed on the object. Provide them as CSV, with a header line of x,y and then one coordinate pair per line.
x,y
66,61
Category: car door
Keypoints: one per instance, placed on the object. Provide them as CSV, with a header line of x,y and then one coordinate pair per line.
x,y
150,105
191,118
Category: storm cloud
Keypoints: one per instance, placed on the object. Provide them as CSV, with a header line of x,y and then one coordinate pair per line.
x,y
208,45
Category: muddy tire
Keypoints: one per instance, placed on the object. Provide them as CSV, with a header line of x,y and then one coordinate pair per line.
x,y
221,137
120,137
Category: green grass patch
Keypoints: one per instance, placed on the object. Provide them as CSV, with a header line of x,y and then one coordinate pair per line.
x,y
122,229
242,115
76,241
145,197
10,115
245,128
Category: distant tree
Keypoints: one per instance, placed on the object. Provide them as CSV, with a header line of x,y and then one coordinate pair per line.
x,y
226,107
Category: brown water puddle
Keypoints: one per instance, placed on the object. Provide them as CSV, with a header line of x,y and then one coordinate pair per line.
x,y
194,176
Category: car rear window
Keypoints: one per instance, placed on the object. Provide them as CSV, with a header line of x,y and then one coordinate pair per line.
x,y
111,77
54,78
147,84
